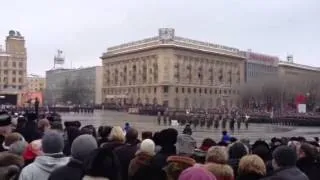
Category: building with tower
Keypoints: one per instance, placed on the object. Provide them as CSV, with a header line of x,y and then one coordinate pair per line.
x,y
13,69
172,71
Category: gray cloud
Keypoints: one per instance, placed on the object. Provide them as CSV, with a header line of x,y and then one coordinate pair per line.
x,y
84,29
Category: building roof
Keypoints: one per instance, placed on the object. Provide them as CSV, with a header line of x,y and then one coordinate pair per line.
x,y
300,66
170,40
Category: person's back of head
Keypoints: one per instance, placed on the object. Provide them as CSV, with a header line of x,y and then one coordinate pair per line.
x,y
102,163
43,125
104,131
217,154
224,133
52,142
307,150
82,146
146,135
237,150
196,173
117,134
132,135
284,156
89,129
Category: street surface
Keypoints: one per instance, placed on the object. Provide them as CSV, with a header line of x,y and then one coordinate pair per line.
x,y
149,123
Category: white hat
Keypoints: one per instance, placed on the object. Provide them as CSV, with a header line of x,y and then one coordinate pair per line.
x,y
147,146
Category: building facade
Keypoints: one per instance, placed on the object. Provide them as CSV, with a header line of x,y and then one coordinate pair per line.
x,y
297,79
36,83
260,67
13,69
75,86
172,71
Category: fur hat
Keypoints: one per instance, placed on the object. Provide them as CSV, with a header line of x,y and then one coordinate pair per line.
x,y
5,118
82,146
147,146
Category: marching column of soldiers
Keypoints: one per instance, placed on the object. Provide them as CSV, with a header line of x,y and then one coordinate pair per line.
x,y
204,120
83,109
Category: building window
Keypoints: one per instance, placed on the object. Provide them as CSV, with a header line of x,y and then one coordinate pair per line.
x,y
224,91
182,90
14,72
14,64
20,80
20,72
210,91
189,90
205,91
20,87
13,80
165,89
5,64
20,64
155,90
5,72
200,90
229,91
177,90
194,90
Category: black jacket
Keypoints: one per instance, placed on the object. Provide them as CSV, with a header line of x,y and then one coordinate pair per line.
x,y
159,161
125,154
72,171
250,176
291,173
310,166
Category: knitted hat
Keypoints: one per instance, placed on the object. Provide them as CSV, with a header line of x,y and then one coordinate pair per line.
x,y
196,173
82,146
5,118
285,156
52,142
147,146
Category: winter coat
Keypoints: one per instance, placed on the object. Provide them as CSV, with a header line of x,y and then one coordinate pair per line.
x,y
72,171
125,154
249,176
10,166
310,166
159,161
291,173
140,161
234,163
42,167
111,145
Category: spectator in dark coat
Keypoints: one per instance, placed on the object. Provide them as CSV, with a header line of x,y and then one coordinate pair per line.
x,y
5,128
30,131
236,152
72,133
139,168
167,140
81,148
116,138
127,151
102,164
284,165
308,161
104,132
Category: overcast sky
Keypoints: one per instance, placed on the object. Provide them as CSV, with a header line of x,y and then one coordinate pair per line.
x,y
83,29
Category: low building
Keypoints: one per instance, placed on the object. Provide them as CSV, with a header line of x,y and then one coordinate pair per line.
x,y
36,83
74,86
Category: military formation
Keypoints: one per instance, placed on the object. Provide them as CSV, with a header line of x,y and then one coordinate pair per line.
x,y
203,119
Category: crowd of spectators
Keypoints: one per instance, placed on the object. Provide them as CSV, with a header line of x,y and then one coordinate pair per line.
x,y
33,149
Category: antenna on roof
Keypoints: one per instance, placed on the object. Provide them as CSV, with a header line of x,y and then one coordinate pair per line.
x,y
290,58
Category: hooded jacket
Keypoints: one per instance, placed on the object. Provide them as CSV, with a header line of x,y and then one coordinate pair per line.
x,y
41,168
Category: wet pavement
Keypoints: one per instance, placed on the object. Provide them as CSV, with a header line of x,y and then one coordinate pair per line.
x,y
149,123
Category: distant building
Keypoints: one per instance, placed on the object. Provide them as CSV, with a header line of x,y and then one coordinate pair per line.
x,y
65,85
260,67
172,71
297,79
36,83
13,69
